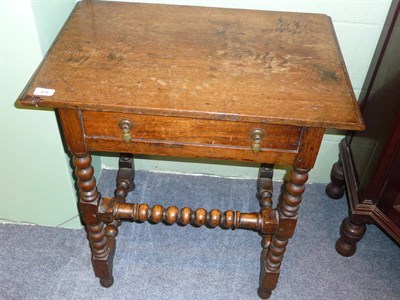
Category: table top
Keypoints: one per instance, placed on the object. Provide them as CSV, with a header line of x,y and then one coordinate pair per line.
x,y
211,63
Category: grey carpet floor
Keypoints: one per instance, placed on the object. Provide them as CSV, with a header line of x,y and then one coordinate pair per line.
x,y
174,262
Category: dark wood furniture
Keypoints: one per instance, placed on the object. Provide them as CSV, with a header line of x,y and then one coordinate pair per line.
x,y
194,82
369,162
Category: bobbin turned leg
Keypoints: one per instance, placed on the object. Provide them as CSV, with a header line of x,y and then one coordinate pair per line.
x,y
287,209
264,182
126,175
101,246
125,184
264,196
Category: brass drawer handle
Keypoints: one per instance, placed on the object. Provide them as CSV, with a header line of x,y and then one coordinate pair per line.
x,y
126,126
256,135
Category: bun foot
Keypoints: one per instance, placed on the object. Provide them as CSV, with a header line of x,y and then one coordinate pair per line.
x,y
264,293
350,233
335,189
106,282
344,249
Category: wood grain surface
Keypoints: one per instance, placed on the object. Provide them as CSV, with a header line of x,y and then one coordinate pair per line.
x,y
208,63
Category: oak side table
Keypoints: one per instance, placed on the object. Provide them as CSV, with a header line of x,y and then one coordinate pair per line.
x,y
186,81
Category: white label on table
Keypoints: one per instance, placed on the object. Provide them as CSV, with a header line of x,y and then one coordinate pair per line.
x,y
43,92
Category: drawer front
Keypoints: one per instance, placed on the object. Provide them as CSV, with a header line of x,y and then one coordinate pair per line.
x,y
153,132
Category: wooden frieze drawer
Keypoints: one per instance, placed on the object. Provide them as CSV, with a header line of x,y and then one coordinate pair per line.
x,y
200,135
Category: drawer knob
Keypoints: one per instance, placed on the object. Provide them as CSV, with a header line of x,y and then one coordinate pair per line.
x,y
126,126
256,135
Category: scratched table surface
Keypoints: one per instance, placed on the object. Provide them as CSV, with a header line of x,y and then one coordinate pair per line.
x,y
211,63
